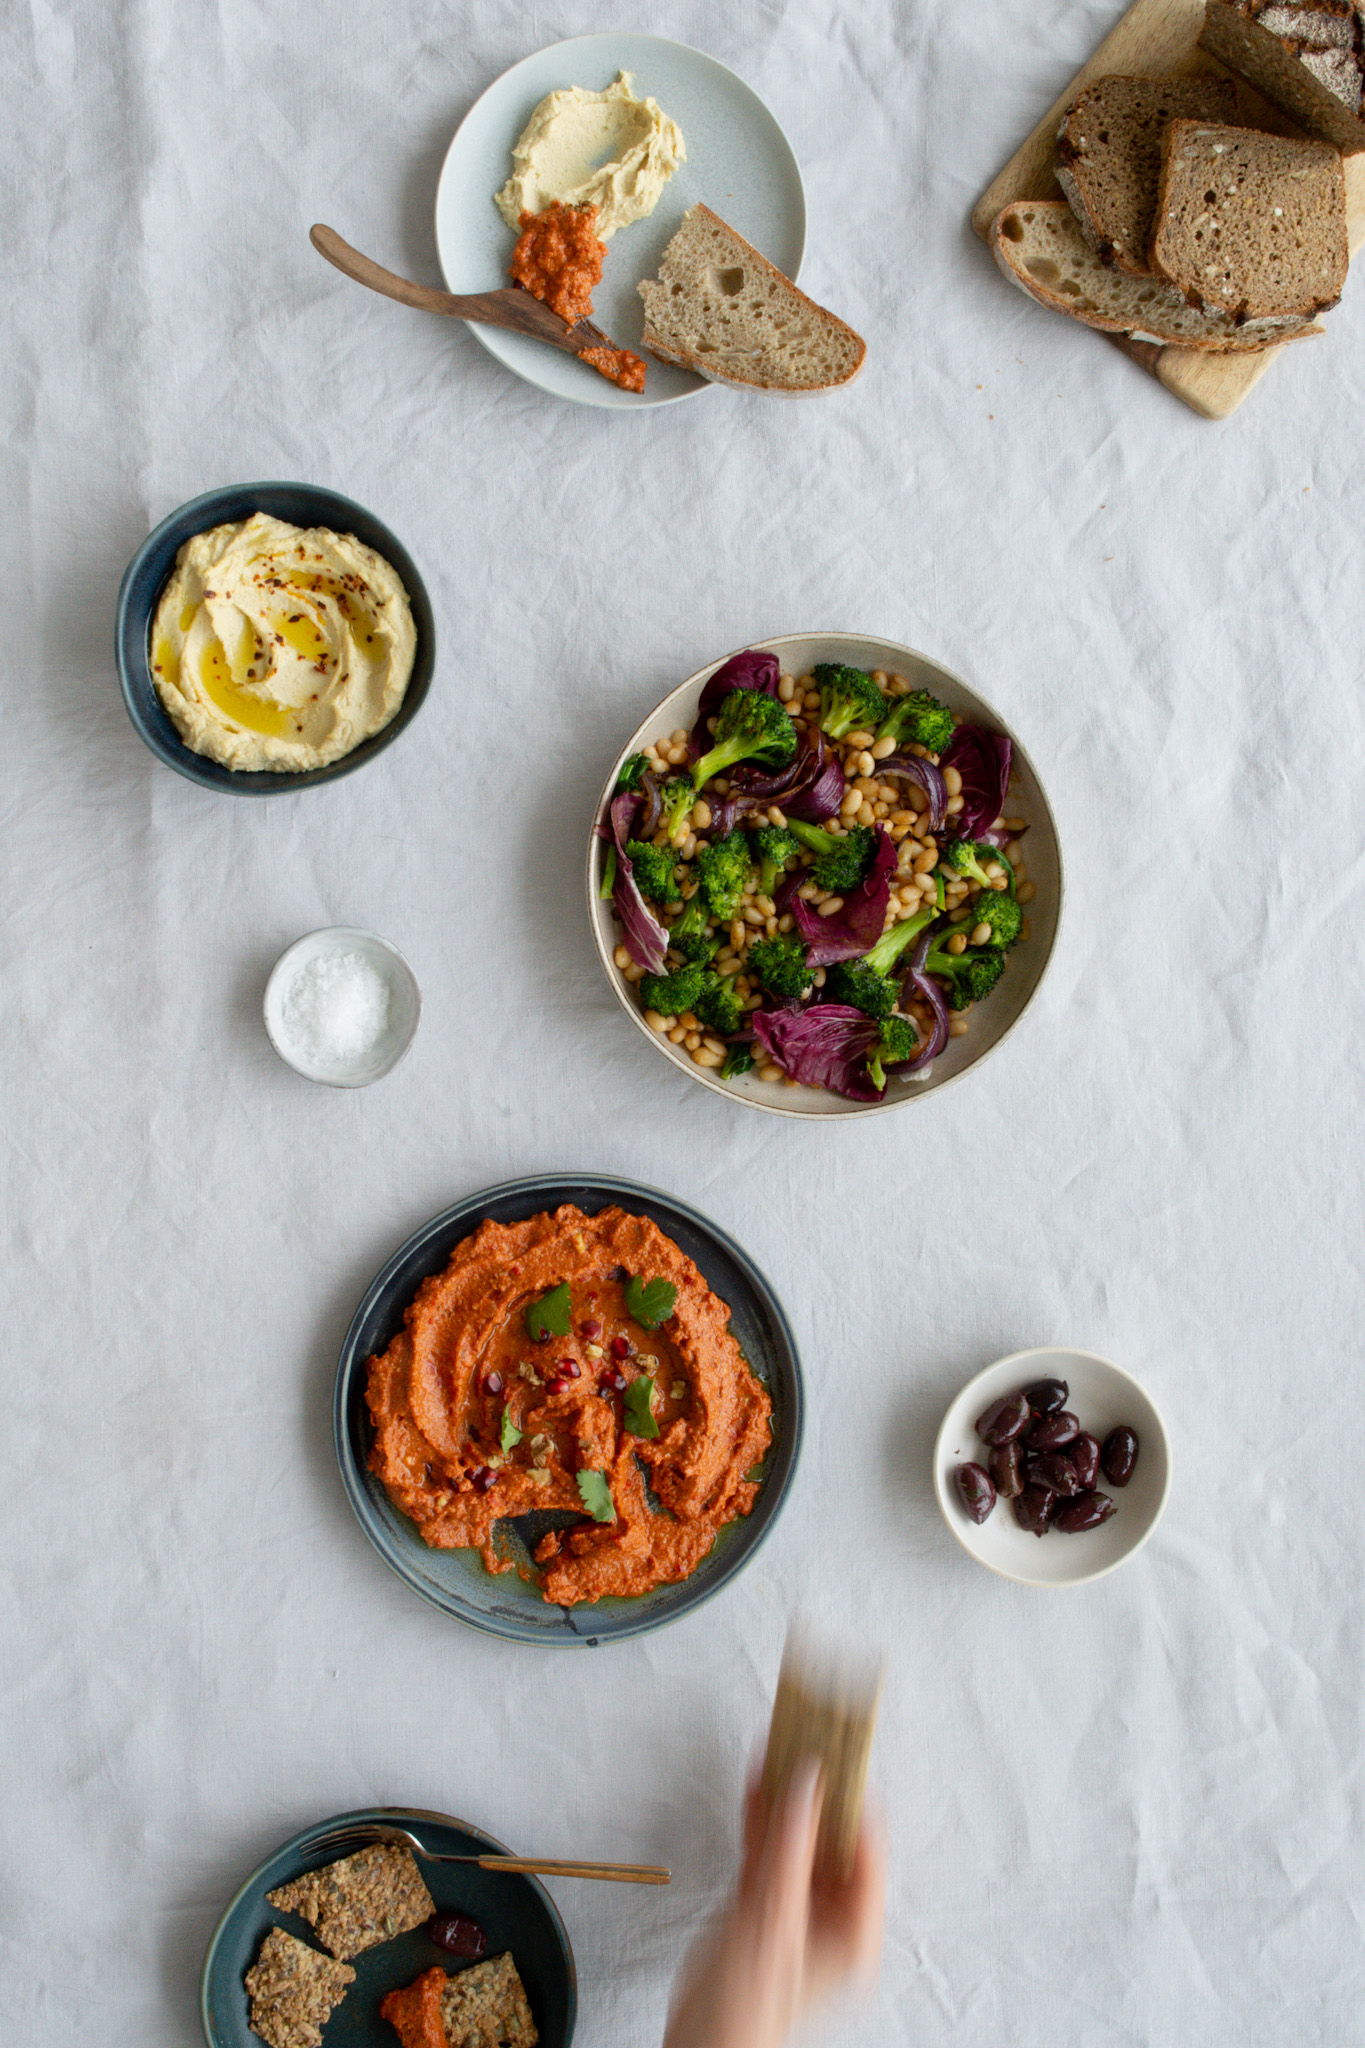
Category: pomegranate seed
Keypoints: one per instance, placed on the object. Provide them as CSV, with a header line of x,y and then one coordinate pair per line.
x,y
493,1383
568,1368
613,1383
590,1329
483,1478
621,1347
556,1385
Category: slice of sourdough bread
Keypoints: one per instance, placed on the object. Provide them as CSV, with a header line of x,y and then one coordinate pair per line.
x,y
1308,56
1248,224
720,308
1109,155
1039,245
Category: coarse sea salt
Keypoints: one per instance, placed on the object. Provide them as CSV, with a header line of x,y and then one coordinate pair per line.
x,y
336,1009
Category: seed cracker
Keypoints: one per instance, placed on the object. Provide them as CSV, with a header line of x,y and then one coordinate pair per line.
x,y
293,1991
360,1901
830,1716
486,2007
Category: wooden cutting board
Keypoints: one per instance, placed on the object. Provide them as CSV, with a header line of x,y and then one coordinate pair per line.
x,y
1160,38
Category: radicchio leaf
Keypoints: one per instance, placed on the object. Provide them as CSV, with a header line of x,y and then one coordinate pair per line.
x,y
927,776
755,669
810,787
924,986
645,938
982,759
858,926
825,1047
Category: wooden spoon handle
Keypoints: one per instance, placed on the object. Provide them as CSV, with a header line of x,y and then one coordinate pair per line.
x,y
621,1873
365,271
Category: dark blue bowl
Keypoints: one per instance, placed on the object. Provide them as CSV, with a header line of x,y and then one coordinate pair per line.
x,y
509,1605
514,1910
146,577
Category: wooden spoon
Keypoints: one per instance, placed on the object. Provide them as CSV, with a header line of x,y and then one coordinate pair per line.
x,y
512,308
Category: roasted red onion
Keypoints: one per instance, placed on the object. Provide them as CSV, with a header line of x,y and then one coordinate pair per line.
x,y
926,775
982,759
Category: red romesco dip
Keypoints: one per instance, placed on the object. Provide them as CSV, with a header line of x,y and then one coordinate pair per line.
x,y
559,258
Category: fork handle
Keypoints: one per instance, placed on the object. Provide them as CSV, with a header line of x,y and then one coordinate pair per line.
x,y
620,1873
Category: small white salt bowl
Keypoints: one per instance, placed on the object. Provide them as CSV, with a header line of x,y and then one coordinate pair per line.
x,y
351,993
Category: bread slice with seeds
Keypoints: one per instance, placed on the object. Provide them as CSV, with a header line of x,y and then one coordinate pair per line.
x,y
1250,225
720,308
1308,56
1109,155
1039,245
360,1901
293,1991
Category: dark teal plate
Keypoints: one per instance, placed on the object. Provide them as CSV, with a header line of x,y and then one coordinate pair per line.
x,y
505,1604
516,1912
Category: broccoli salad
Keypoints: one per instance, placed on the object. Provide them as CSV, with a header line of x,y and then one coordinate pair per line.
x,y
819,880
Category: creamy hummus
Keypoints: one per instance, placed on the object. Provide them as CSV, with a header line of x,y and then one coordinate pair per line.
x,y
604,149
478,1421
278,647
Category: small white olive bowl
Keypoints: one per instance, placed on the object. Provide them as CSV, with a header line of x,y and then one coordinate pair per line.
x,y
405,1004
1101,1396
993,1020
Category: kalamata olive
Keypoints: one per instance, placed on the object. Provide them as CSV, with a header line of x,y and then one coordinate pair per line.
x,y
1052,1432
975,1490
1119,1455
1086,1511
1006,1464
1032,1509
1045,1397
1084,1453
456,1934
1003,1420
1051,1469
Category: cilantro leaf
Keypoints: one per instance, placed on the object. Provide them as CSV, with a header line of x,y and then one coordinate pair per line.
x,y
651,1302
510,1433
638,1415
549,1317
595,1495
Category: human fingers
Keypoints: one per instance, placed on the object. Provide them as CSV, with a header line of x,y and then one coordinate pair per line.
x,y
847,1919
781,1869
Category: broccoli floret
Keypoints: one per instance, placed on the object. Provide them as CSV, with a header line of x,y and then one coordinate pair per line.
x,y
719,1008
750,726
723,868
882,957
608,887
970,857
918,720
738,1060
780,965
688,935
895,1043
848,698
840,864
632,768
967,976
1002,914
853,981
653,868
677,798
774,849
671,994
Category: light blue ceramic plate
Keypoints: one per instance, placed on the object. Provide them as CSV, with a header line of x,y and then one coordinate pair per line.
x,y
510,1604
738,162
515,1912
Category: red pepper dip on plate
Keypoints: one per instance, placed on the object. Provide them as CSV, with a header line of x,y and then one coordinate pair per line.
x,y
572,1362
558,259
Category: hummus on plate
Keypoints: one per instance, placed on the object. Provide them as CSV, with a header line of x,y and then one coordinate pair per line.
x,y
478,1417
604,149
280,647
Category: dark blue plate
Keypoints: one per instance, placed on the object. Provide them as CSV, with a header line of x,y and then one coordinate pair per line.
x,y
505,1604
515,1911
146,576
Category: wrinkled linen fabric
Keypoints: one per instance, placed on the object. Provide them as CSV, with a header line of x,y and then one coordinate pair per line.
x,y
1130,1813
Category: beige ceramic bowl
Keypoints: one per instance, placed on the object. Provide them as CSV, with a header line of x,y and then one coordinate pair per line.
x,y
991,1021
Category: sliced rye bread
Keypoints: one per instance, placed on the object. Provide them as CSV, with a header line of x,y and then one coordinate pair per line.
x,y
1039,245
1109,155
1250,225
1307,59
720,308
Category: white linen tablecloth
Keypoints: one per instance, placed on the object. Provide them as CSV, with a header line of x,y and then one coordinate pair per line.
x,y
1128,1814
